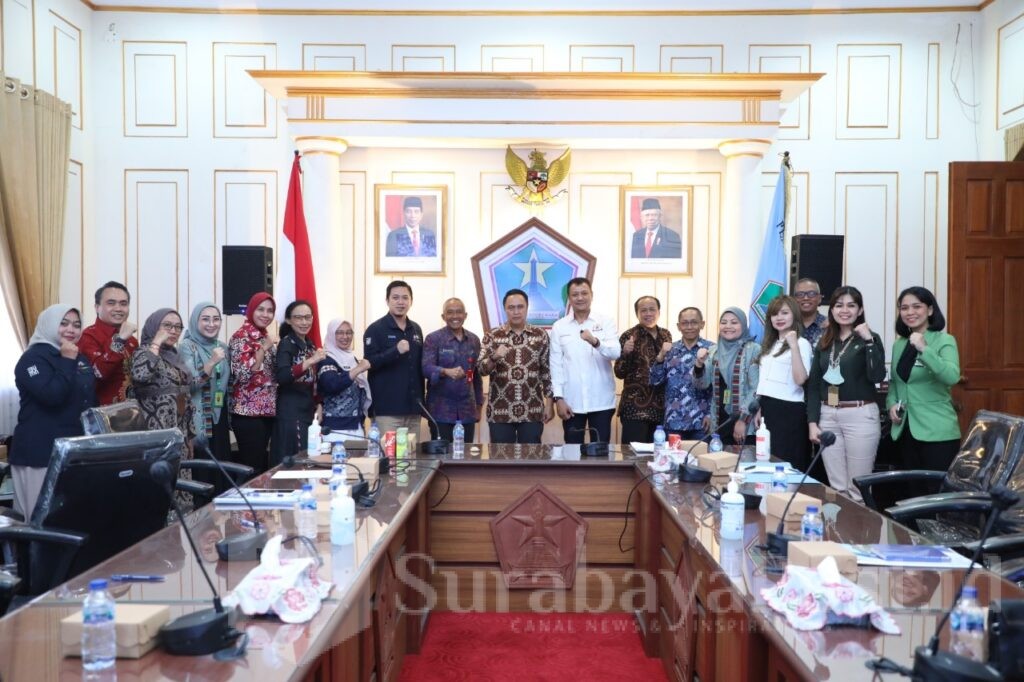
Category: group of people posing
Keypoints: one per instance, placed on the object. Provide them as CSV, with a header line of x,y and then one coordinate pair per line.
x,y
809,374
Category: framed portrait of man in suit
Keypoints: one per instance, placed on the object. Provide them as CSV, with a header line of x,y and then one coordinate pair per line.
x,y
410,234
657,235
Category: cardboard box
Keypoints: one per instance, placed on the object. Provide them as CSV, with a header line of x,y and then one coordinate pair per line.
x,y
369,466
793,525
137,626
811,554
700,449
776,502
719,463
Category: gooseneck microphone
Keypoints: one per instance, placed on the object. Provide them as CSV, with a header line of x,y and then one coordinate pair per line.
x,y
202,632
778,542
245,546
435,446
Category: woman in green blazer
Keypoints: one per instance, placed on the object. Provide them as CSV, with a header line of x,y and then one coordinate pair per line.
x,y
925,366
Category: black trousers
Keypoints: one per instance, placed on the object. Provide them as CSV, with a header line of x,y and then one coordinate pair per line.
x,y
580,425
637,431
445,432
517,432
929,455
787,422
253,436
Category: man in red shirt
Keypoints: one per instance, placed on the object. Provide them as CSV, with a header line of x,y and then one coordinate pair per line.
x,y
109,342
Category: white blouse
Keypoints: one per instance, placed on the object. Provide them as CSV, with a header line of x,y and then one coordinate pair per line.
x,y
776,377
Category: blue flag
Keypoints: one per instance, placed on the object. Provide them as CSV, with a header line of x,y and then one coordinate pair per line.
x,y
771,270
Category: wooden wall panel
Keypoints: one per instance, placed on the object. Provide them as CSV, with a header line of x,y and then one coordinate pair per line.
x,y
795,124
333,57
1009,74
868,91
241,108
512,58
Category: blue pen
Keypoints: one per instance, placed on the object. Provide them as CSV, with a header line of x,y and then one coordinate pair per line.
x,y
135,578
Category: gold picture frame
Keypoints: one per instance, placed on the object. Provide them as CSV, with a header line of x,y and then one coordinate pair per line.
x,y
407,243
669,251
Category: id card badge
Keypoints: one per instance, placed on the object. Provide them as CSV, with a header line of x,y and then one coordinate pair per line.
x,y
833,396
727,396
218,398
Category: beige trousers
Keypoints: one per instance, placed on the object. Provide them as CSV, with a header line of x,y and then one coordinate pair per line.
x,y
858,431
28,483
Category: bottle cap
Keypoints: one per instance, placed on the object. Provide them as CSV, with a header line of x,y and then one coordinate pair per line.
x,y
307,486
98,584
780,467
969,592
811,509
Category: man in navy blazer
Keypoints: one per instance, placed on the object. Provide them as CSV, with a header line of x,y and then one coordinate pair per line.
x,y
411,240
655,240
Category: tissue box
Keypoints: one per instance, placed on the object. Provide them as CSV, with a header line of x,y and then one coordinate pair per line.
x,y
136,625
776,502
811,554
719,463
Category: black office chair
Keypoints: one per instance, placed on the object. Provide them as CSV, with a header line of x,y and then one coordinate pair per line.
x,y
20,579
127,416
988,456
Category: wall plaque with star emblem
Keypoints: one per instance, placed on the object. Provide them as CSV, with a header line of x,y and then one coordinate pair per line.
x,y
539,541
537,259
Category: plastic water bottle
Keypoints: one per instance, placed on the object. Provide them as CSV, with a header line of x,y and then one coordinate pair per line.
x,y
337,478
779,481
338,453
373,449
305,512
343,517
812,528
99,640
458,439
659,441
716,443
733,508
967,625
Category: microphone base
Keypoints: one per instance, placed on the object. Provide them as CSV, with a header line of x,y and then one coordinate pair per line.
x,y
778,543
242,547
198,634
945,666
434,447
594,450
688,473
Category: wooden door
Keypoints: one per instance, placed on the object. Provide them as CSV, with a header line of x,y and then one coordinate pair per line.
x,y
986,284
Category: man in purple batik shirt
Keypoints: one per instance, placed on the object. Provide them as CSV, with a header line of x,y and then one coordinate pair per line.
x,y
455,389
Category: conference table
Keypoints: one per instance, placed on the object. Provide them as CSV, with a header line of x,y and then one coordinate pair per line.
x,y
518,528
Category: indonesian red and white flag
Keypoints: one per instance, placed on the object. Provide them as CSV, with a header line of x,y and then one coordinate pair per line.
x,y
295,279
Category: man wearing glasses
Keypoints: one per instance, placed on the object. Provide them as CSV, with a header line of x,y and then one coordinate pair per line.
x,y
808,297
687,408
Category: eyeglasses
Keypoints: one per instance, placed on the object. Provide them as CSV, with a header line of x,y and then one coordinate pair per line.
x,y
302,318
171,327
690,323
807,294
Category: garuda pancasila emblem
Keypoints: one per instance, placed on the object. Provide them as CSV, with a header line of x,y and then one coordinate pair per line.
x,y
532,184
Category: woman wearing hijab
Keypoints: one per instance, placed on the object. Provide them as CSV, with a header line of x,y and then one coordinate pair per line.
x,y
341,381
252,351
295,372
841,391
55,384
206,356
733,378
161,379
926,367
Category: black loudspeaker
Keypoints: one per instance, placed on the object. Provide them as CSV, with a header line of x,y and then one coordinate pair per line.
x,y
246,270
819,257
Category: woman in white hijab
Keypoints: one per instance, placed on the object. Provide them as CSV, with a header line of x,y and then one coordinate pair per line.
x,y
341,381
55,383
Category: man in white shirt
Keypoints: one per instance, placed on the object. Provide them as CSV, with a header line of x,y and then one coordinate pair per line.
x,y
583,347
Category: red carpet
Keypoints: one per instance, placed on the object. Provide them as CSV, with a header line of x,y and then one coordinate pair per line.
x,y
550,647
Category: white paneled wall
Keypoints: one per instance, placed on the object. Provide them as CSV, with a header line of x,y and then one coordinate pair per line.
x,y
178,151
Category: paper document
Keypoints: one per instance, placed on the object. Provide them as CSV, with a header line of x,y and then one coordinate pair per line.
x,y
642,448
916,556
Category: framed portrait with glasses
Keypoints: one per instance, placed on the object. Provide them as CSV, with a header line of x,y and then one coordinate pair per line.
x,y
656,235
